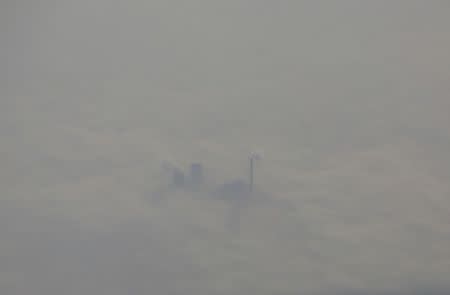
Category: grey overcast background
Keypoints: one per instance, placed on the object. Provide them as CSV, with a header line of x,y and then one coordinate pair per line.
x,y
348,100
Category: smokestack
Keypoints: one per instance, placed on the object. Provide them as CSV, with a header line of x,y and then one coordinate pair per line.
x,y
252,158
251,173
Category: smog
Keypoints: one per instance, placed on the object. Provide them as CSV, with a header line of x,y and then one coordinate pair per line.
x,y
131,139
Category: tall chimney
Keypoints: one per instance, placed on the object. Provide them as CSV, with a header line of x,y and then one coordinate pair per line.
x,y
251,173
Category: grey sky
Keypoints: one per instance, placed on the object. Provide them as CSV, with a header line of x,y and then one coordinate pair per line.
x,y
347,99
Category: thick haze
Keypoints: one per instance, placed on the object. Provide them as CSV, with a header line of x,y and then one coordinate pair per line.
x,y
348,100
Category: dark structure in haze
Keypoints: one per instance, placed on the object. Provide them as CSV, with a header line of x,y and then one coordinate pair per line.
x,y
196,176
252,160
194,181
239,193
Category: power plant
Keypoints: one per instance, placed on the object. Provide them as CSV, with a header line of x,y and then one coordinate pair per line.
x,y
237,192
194,181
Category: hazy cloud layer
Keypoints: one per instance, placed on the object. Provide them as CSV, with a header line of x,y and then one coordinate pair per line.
x,y
348,100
